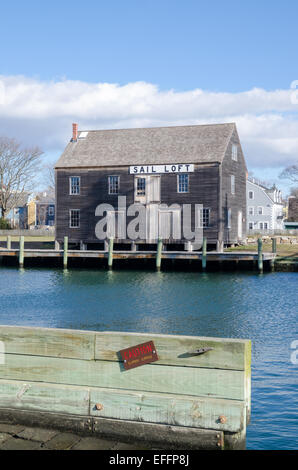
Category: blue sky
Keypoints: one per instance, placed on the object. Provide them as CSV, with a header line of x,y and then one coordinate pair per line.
x,y
154,55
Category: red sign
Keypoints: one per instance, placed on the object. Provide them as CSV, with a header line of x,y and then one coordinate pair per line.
x,y
139,355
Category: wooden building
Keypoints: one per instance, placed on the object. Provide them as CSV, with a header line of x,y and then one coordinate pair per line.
x,y
156,167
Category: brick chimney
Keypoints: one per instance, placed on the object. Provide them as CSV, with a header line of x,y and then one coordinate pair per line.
x,y
74,132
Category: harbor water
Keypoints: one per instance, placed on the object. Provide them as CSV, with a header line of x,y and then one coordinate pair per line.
x,y
260,307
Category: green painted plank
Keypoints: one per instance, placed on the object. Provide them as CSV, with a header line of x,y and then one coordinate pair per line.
x,y
44,397
168,409
232,354
217,383
48,342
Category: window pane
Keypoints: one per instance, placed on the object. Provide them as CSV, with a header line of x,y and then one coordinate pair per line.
x,y
205,218
113,184
74,218
183,183
234,152
75,185
141,186
233,184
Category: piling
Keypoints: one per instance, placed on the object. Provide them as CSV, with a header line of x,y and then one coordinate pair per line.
x,y
273,251
158,254
273,245
21,251
204,254
8,242
65,252
110,258
260,255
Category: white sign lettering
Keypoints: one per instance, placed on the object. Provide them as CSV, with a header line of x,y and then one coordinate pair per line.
x,y
149,169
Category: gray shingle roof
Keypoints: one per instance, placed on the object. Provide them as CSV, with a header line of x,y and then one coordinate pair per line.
x,y
159,145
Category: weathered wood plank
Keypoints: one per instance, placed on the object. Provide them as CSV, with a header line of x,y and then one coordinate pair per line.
x,y
160,435
48,342
34,396
215,383
207,413
232,354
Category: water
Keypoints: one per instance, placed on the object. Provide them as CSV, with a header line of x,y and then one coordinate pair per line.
x,y
262,308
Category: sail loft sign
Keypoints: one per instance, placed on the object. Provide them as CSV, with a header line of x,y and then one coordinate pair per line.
x,y
172,168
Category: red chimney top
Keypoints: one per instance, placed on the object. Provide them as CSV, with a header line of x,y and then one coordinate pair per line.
x,y
74,132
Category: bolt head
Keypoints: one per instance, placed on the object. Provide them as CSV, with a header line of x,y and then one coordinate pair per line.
x,y
222,419
99,406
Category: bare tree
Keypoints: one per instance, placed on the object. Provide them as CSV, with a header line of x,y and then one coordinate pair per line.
x,y
294,192
49,177
18,167
290,173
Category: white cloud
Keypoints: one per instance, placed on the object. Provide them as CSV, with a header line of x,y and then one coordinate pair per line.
x,y
38,112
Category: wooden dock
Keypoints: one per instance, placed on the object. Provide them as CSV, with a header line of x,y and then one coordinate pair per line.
x,y
197,395
195,256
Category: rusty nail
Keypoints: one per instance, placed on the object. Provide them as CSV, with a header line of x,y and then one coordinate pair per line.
x,y
218,444
222,419
99,406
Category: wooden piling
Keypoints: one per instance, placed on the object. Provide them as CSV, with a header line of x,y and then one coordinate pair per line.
x,y
158,254
8,242
260,255
273,245
110,258
204,254
21,251
65,252
273,251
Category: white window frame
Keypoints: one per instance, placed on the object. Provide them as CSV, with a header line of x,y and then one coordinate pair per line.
x,y
178,183
229,218
202,217
250,226
112,193
252,210
233,184
79,212
253,195
262,210
235,152
71,186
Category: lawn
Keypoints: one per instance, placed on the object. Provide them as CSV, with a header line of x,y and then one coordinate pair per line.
x,y
29,238
283,249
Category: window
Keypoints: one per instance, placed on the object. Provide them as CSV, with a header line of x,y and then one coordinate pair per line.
x,y
141,186
250,226
183,183
51,210
235,152
232,184
74,185
114,184
74,218
229,218
204,218
251,210
260,210
250,194
266,225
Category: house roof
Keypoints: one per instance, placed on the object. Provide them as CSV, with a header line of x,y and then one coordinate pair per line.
x,y
159,145
45,198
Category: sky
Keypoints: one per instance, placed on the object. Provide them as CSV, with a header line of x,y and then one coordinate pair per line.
x,y
118,64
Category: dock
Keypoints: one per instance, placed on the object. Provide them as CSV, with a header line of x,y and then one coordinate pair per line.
x,y
165,391
202,259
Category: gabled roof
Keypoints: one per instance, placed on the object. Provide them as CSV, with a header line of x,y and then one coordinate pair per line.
x,y
158,145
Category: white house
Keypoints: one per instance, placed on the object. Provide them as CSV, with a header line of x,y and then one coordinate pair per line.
x,y
264,207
